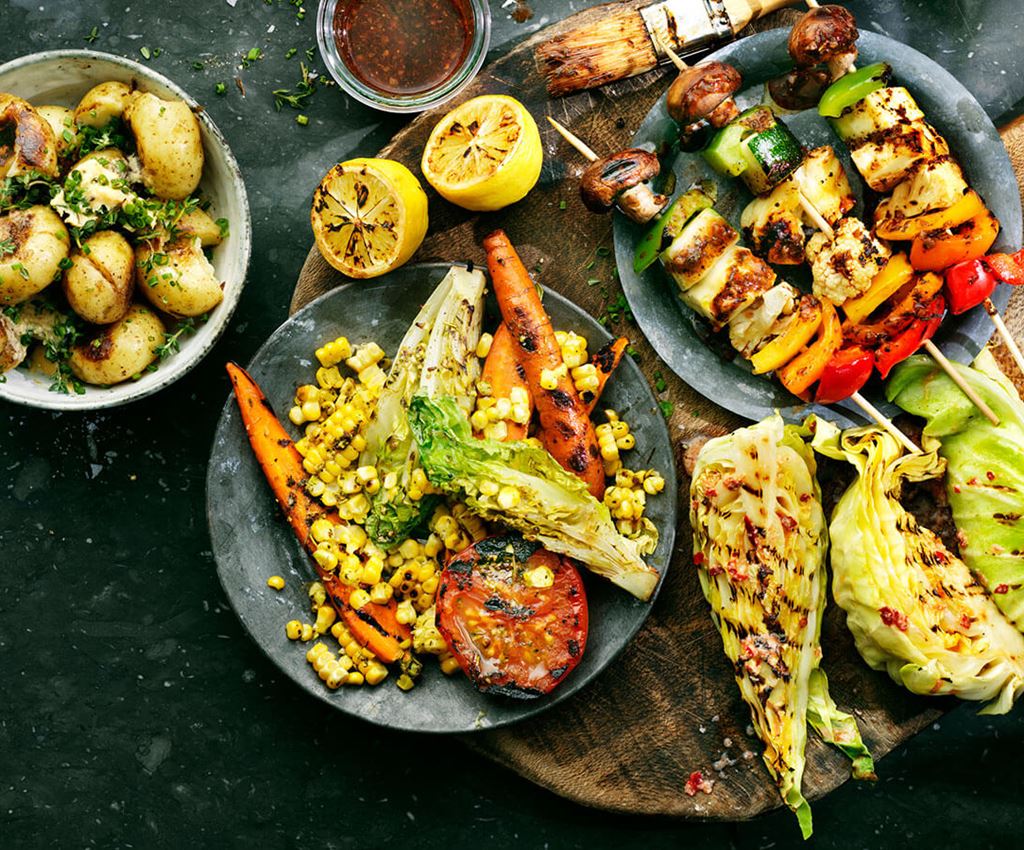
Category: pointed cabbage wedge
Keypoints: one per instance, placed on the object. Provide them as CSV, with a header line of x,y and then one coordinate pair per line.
x,y
759,542
436,357
914,608
984,466
552,506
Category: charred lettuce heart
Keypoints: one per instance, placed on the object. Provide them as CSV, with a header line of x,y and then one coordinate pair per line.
x,y
984,466
914,608
759,543
436,357
554,508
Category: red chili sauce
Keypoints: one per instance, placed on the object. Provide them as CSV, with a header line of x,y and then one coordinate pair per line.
x,y
403,47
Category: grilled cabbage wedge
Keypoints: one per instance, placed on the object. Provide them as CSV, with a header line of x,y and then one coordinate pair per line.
x,y
436,357
914,608
759,542
553,506
984,466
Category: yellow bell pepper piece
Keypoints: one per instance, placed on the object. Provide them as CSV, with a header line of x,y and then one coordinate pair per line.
x,y
785,347
969,206
886,283
798,375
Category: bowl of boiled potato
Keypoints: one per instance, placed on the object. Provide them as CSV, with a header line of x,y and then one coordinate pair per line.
x,y
124,231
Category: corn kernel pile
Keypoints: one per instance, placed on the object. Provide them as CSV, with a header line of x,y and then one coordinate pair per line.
x,y
334,413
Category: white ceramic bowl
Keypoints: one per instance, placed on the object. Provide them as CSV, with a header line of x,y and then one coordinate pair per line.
x,y
61,77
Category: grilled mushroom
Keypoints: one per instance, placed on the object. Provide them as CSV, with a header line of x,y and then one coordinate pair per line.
x,y
705,91
825,34
800,89
620,180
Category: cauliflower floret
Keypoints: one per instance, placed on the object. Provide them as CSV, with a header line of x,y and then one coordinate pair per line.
x,y
843,267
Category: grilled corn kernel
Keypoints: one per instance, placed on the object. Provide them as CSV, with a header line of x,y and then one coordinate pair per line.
x,y
653,483
293,629
326,559
540,576
626,442
375,673
549,377
479,420
381,592
317,594
322,529
574,350
432,548
373,377
488,488
365,355
585,378
619,428
311,411
325,617
296,416
335,677
358,598
429,585
315,651
449,665
560,337
508,497
405,682
405,614
483,347
418,479
306,634
496,431
502,408
276,582
520,413
332,353
410,548
355,678
518,395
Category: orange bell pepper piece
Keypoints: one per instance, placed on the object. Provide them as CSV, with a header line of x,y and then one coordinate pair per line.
x,y
893,276
936,250
374,626
787,345
798,375
907,306
969,206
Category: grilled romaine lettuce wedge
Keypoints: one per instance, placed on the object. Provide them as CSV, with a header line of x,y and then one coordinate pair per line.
x,y
759,542
436,357
984,466
550,505
914,608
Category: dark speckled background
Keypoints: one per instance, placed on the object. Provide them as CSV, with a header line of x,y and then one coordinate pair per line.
x,y
134,712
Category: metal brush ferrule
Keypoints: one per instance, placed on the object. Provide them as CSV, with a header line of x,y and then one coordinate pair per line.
x,y
686,26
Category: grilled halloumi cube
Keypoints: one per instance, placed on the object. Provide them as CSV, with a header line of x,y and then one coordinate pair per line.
x,y
885,159
751,327
734,282
931,185
698,247
773,225
881,110
823,181
843,267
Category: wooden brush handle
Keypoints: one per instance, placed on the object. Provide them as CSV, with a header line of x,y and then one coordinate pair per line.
x,y
742,12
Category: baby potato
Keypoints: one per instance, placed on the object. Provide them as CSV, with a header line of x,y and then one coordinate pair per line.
x,y
61,121
119,351
27,143
168,143
102,104
197,222
100,281
33,242
177,278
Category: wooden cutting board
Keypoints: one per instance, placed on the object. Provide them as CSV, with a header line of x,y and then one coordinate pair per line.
x,y
669,705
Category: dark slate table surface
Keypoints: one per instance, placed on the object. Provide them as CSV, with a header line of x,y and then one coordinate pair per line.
x,y
134,712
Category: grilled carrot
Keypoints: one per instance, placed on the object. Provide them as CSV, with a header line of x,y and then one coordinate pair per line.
x,y
606,360
375,626
503,372
565,428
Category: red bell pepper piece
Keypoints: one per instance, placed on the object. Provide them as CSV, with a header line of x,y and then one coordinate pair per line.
x,y
968,284
845,374
901,347
1009,268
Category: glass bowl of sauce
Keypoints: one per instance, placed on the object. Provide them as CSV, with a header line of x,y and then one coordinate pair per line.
x,y
403,55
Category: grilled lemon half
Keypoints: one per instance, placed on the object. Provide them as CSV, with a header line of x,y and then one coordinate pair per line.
x,y
485,154
369,216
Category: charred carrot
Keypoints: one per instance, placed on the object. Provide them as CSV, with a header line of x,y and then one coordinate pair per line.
x,y
503,373
565,428
373,625
606,361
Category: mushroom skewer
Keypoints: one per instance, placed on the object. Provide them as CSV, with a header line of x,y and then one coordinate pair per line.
x,y
828,34
869,409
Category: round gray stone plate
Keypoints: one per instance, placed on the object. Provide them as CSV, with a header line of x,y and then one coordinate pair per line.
x,y
685,341
251,540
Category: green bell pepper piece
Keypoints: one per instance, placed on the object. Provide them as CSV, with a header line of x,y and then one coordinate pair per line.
x,y
670,224
853,88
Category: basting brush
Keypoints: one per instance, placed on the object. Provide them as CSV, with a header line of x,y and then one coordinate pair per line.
x,y
625,43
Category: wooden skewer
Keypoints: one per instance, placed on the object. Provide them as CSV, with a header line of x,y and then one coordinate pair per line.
x,y
958,379
1004,332
869,409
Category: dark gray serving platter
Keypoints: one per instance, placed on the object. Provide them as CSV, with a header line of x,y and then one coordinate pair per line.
x,y
251,541
705,360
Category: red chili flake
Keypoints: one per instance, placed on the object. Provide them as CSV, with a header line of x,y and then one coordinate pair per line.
x,y
732,483
965,622
892,617
803,621
1002,588
972,481
941,557
697,782
805,497
787,521
961,539
698,558
737,571
711,493
990,475
956,488
715,570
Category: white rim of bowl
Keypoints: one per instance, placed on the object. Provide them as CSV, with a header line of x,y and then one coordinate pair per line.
x,y
95,397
